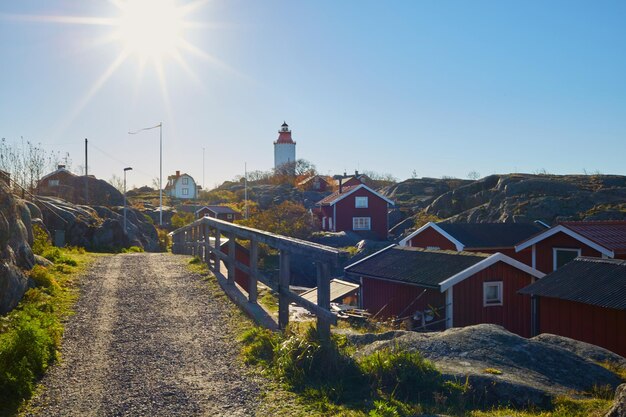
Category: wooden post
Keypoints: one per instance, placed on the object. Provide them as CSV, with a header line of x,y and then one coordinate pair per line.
x,y
252,280
218,245
323,298
231,259
284,276
207,254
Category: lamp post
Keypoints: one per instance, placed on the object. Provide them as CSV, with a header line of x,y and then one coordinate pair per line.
x,y
160,126
125,170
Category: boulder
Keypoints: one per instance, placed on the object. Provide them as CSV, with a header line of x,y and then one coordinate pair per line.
x,y
619,407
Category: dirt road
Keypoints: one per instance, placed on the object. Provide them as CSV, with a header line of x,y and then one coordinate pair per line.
x,y
148,338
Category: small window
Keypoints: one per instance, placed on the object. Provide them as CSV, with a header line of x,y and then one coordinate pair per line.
x,y
185,191
361,223
360,202
492,293
229,216
323,223
185,181
53,183
562,256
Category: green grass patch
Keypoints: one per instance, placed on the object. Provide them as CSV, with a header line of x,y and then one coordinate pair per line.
x,y
562,407
132,249
30,335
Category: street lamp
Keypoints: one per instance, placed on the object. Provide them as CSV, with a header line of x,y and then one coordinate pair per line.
x,y
160,126
125,169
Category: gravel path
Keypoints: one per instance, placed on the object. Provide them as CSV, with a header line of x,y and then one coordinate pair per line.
x,y
148,338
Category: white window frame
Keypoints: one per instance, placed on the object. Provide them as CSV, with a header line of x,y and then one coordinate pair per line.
x,y
497,284
555,250
324,223
185,191
361,202
367,220
185,181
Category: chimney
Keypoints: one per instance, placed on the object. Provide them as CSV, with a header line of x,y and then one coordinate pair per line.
x,y
61,166
356,173
340,185
177,174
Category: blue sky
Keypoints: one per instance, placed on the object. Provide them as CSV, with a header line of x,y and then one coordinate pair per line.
x,y
435,87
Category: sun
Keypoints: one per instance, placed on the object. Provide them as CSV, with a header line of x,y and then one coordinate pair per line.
x,y
151,29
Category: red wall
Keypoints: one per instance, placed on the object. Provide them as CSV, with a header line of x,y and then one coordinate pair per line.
x,y
597,325
376,210
431,237
513,314
396,296
559,240
241,255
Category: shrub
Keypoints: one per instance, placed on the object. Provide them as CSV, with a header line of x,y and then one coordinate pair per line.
x,y
195,260
55,255
41,240
384,409
133,249
43,278
259,345
164,240
406,375
182,219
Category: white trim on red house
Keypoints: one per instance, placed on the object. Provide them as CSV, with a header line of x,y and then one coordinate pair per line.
x,y
449,308
561,228
496,257
405,242
358,187
500,285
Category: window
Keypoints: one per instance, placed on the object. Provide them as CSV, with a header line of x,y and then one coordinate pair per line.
x,y
330,223
229,216
323,223
361,223
53,183
185,191
433,247
185,180
561,256
360,202
492,293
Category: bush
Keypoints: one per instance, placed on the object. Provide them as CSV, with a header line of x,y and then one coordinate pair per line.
x,y
133,249
182,219
43,278
41,240
55,255
259,346
164,240
405,375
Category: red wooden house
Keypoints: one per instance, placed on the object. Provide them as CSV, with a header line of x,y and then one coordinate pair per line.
x,y
584,300
218,212
455,289
475,237
560,244
356,209
314,183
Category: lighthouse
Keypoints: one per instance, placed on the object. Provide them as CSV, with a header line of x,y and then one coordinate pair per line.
x,y
284,148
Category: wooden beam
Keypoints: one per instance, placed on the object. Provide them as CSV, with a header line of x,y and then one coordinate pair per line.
x,y
284,276
323,298
252,274
231,259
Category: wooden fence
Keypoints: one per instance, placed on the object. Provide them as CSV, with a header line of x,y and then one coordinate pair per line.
x,y
203,238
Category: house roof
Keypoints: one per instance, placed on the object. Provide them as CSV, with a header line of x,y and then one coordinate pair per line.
x,y
423,267
607,237
65,170
440,269
311,178
338,290
481,235
218,209
595,281
337,196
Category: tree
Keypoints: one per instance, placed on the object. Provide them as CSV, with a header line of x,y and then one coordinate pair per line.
x,y
297,168
117,182
182,219
287,218
473,175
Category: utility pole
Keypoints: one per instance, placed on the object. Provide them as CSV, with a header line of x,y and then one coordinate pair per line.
x,y
86,175
245,187
203,169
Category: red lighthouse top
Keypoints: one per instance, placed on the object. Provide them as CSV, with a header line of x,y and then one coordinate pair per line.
x,y
284,134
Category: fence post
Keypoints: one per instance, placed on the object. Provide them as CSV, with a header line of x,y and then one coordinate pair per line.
x,y
284,276
252,280
207,254
231,259
323,298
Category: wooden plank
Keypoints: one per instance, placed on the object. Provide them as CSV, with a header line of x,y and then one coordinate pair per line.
x,y
231,259
252,273
323,299
284,276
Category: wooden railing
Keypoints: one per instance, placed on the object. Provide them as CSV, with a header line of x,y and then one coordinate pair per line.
x,y
202,238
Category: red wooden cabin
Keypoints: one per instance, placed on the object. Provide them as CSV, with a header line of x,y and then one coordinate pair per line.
x,y
218,212
584,300
560,244
475,237
356,209
463,288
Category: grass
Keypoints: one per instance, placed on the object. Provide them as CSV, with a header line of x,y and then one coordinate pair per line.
x,y
30,335
132,249
563,407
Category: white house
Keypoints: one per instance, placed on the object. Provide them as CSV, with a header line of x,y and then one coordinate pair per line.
x,y
181,186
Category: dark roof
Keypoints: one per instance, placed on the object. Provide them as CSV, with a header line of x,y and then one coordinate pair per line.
x,y
415,266
595,281
611,233
332,197
220,209
188,208
490,235
284,123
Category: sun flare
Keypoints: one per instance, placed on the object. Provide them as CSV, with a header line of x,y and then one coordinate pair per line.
x,y
151,29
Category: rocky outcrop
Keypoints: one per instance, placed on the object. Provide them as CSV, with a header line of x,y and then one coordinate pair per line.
x,y
619,407
98,228
15,250
501,366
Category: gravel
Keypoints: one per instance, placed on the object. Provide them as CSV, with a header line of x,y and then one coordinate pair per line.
x,y
148,338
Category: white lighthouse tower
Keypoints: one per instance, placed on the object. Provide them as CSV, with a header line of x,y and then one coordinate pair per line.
x,y
284,148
